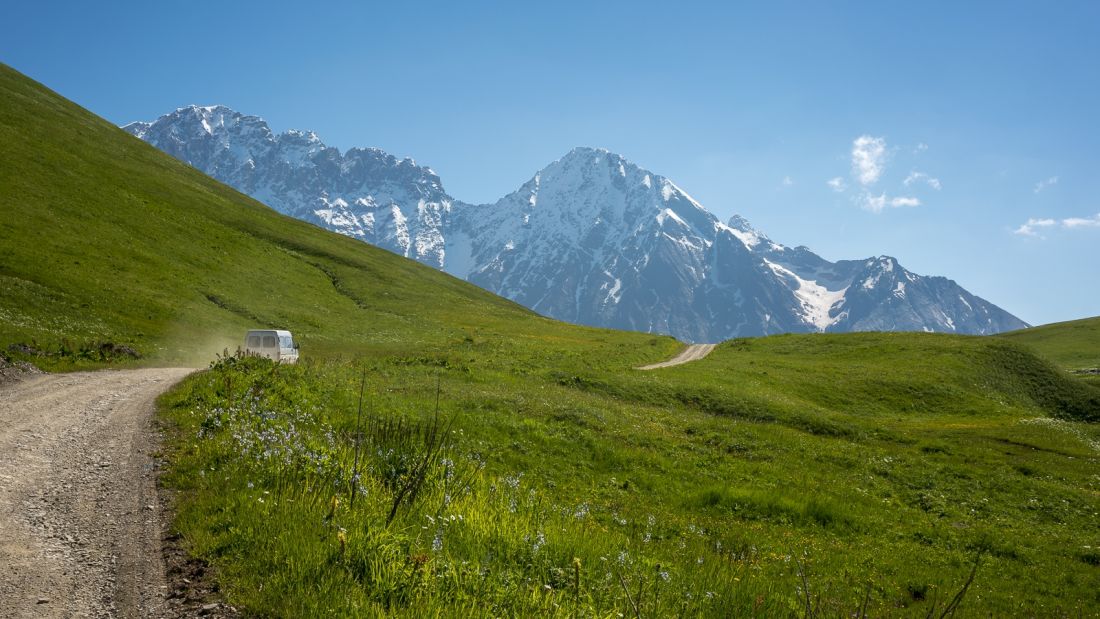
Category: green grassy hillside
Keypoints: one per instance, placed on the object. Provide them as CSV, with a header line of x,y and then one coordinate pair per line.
x,y
1074,345
509,465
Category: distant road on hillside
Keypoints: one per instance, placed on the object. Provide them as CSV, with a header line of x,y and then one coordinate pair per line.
x,y
693,352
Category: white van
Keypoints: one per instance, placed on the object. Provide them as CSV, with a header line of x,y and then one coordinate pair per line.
x,y
276,345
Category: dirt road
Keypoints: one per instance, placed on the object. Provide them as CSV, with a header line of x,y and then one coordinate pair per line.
x,y
693,352
79,521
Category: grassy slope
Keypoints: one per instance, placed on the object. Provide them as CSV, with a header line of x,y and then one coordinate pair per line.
x,y
1073,345
880,462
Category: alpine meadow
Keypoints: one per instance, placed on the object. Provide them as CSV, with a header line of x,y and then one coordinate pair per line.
x,y
440,451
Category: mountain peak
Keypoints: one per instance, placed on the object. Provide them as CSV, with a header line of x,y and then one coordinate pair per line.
x,y
586,151
208,109
591,238
308,135
740,223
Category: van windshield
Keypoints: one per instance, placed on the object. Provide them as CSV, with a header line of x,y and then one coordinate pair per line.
x,y
285,341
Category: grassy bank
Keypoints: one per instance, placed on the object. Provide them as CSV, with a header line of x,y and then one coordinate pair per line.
x,y
873,467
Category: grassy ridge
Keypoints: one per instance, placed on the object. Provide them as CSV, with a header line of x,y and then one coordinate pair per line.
x,y
1073,345
866,466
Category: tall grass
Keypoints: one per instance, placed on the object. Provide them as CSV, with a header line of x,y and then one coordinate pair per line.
x,y
270,458
431,533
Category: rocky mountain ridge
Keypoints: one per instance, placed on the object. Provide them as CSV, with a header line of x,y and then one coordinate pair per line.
x,y
592,239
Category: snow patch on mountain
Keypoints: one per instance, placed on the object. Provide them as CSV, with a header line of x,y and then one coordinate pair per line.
x,y
817,300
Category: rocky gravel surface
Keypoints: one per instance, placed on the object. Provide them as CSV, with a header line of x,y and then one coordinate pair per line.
x,y
80,518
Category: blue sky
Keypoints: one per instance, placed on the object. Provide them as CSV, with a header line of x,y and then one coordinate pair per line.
x,y
987,109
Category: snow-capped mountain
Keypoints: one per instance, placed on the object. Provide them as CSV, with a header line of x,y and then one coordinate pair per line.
x,y
363,193
592,239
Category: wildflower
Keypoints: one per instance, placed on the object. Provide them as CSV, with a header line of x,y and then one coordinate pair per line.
x,y
342,537
540,541
582,511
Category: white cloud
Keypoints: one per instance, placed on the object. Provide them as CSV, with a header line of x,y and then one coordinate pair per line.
x,y
868,159
1082,222
920,148
1041,185
876,204
916,177
787,182
1029,229
904,201
1033,225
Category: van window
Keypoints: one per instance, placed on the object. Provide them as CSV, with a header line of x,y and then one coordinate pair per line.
x,y
269,341
285,341
253,341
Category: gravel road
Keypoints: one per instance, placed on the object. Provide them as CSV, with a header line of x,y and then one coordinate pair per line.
x,y
80,531
693,352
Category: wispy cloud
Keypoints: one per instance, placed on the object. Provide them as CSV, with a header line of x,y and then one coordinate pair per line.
x,y
876,204
787,182
920,148
868,159
1082,222
1041,185
1034,226
917,177
869,156
1031,228
900,201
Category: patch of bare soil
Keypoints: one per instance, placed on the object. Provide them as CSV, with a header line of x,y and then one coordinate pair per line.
x,y
192,588
11,371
